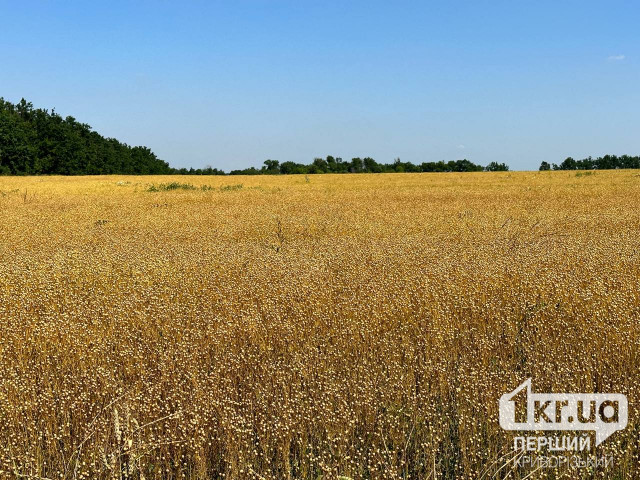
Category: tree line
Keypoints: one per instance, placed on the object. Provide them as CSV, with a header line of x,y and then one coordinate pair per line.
x,y
607,162
332,164
34,141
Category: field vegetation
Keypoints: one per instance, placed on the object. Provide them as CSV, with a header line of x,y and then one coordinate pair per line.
x,y
318,327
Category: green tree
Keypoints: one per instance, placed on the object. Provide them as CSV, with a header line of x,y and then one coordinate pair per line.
x,y
371,166
356,165
320,165
271,167
568,164
497,167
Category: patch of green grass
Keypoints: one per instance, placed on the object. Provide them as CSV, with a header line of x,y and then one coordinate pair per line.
x,y
230,188
167,187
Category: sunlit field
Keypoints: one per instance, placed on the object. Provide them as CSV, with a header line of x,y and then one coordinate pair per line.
x,y
309,327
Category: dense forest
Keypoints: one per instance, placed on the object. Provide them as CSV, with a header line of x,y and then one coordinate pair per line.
x,y
36,141
608,162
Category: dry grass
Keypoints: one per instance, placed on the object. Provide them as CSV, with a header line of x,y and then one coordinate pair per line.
x,y
360,326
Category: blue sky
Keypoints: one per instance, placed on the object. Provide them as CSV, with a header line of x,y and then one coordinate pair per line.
x,y
230,84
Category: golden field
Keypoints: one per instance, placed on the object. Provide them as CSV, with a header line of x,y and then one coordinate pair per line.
x,y
361,326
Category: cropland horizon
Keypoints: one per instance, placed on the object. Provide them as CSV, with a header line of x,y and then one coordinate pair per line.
x,y
36,141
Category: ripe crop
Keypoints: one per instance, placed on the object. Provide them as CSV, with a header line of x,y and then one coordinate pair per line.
x,y
283,327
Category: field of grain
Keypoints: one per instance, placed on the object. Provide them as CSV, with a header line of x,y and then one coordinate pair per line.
x,y
314,327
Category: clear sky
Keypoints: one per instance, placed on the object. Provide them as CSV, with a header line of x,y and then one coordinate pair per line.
x,y
230,84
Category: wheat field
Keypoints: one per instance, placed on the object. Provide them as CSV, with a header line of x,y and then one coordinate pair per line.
x,y
319,327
